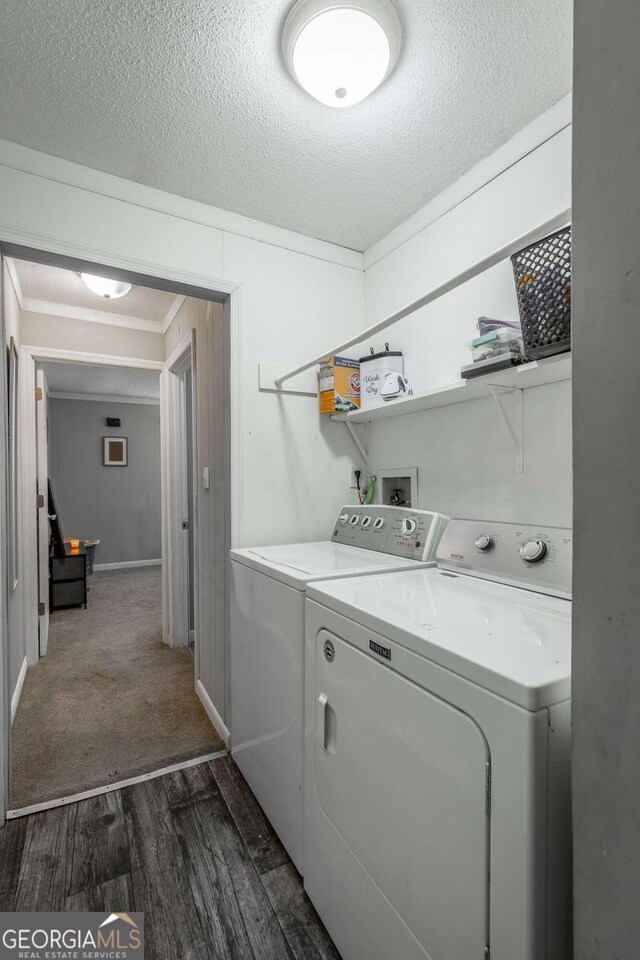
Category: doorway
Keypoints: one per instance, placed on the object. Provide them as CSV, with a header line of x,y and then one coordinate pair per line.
x,y
179,456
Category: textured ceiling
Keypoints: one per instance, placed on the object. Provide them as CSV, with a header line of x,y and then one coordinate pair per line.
x,y
105,381
41,282
191,96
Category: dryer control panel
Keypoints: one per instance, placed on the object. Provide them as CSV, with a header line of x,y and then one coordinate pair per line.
x,y
524,555
398,531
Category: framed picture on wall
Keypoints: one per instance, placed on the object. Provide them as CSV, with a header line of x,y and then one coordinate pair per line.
x,y
14,559
115,451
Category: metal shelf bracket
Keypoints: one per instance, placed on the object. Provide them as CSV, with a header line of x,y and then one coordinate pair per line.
x,y
513,420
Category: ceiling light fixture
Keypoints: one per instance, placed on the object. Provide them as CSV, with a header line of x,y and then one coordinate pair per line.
x,y
104,287
339,52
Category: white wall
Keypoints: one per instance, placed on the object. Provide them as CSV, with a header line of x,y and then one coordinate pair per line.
x,y
464,455
294,463
84,336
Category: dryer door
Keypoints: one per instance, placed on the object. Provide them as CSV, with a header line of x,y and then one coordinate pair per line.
x,y
401,777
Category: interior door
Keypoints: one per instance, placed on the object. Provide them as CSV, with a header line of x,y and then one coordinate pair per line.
x,y
402,778
42,431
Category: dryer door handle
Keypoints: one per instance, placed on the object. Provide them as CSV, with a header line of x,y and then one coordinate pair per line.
x,y
323,700
327,724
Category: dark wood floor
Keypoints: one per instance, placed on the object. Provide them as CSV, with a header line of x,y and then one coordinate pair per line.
x,y
191,849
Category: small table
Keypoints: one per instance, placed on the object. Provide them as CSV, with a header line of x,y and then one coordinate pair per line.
x,y
68,578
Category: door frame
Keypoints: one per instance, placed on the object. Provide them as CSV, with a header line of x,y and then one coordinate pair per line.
x,y
28,246
5,690
42,512
176,573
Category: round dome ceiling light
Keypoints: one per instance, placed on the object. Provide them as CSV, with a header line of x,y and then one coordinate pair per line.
x,y
104,287
339,52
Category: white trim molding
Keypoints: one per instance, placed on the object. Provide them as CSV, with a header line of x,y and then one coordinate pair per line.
x,y
29,532
17,693
71,312
125,564
15,280
99,359
181,357
104,397
175,607
217,721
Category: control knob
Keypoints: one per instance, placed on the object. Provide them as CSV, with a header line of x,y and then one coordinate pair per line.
x,y
484,542
354,519
409,527
343,517
378,523
533,551
365,522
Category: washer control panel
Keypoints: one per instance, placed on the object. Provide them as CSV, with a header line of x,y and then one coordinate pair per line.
x,y
537,558
399,531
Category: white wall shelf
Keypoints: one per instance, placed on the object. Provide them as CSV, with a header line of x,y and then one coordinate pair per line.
x,y
534,374
519,243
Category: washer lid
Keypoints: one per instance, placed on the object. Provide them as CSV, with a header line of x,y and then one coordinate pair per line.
x,y
513,642
297,563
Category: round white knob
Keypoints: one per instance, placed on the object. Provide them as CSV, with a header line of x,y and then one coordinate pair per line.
x,y
354,519
533,551
343,517
365,521
484,542
378,523
409,527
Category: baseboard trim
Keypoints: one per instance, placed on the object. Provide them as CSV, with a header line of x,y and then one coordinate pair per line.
x,y
15,699
127,563
110,787
217,721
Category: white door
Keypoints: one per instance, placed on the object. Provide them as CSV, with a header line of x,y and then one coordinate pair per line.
x,y
42,428
399,800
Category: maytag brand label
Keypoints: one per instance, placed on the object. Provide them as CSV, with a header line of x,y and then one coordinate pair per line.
x,y
71,936
380,650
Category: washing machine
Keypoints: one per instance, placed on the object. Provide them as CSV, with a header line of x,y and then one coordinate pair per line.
x,y
268,587
437,752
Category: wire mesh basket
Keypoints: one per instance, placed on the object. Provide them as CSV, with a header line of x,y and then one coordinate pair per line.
x,y
542,274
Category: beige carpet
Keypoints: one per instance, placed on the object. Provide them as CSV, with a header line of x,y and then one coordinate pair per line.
x,y
110,700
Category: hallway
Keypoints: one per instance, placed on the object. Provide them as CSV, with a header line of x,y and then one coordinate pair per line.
x,y
110,700
191,849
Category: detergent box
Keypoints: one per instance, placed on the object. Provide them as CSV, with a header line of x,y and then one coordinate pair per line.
x,y
339,385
